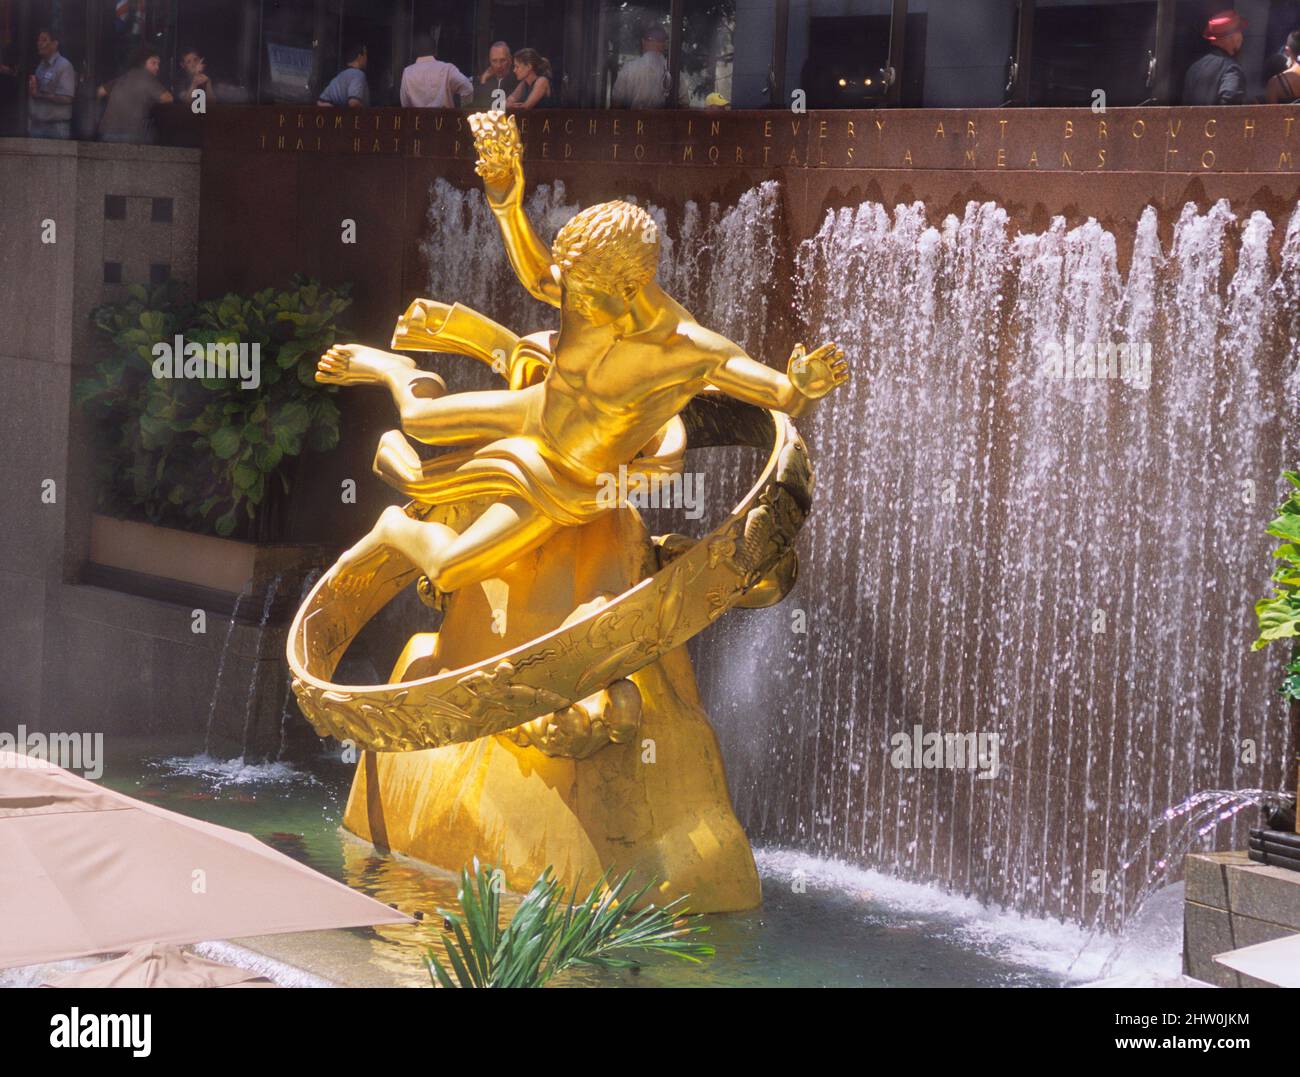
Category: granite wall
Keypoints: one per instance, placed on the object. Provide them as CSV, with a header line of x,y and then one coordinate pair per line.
x,y
79,223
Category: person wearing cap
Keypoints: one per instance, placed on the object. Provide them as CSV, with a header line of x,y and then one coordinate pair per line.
x,y
1216,78
645,81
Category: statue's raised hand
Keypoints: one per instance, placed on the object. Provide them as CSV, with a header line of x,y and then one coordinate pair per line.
x,y
817,372
496,138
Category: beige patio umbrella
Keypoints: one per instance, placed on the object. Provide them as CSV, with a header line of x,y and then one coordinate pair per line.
x,y
156,965
85,870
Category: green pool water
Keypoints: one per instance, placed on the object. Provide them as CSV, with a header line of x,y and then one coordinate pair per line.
x,y
820,924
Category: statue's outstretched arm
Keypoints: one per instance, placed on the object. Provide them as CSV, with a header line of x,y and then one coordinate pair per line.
x,y
500,155
809,376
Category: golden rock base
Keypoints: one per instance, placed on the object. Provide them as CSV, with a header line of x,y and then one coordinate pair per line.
x,y
656,804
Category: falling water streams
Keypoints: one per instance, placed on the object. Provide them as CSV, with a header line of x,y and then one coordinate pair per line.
x,y
1069,563
221,664
250,698
288,713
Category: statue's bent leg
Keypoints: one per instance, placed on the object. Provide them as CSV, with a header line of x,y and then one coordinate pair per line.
x,y
428,413
501,534
463,418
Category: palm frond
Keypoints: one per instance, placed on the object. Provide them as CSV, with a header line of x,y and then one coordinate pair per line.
x,y
552,931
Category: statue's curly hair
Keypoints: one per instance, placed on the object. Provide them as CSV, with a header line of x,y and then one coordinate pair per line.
x,y
615,244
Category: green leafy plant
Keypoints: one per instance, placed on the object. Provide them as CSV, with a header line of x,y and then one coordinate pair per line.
x,y
1279,615
552,931
206,454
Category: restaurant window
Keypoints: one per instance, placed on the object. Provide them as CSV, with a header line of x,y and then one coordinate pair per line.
x,y
840,59
451,24
965,52
299,50
534,24
621,28
225,35
384,29
1098,53
754,37
708,51
1261,50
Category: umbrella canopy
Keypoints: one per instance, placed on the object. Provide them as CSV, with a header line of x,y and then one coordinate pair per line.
x,y
85,870
154,965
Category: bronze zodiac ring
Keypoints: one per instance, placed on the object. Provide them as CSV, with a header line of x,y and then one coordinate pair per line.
x,y
748,560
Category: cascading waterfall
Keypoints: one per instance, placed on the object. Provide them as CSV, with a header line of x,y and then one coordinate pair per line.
x,y
1067,562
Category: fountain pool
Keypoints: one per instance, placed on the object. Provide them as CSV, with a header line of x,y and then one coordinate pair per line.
x,y
822,923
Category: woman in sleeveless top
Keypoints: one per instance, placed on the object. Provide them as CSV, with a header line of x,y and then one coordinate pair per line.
x,y
1284,88
533,71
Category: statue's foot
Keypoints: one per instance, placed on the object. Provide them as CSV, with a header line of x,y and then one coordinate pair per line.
x,y
355,570
357,364
350,579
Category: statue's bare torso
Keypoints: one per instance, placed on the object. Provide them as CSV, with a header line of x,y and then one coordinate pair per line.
x,y
607,394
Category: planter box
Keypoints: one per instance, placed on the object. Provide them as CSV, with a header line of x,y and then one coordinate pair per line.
x,y
200,570
221,564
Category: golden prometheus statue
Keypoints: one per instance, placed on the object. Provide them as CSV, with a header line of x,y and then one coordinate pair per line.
x,y
553,718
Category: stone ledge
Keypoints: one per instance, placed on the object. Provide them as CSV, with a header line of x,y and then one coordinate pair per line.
x,y
1265,892
1206,879
97,151
1232,902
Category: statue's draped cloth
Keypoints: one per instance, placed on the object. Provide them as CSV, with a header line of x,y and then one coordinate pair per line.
x,y
526,467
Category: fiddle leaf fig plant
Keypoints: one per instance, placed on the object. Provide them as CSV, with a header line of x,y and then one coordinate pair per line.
x,y
206,453
1279,615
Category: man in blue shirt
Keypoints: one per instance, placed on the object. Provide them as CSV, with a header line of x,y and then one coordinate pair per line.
x,y
50,90
348,89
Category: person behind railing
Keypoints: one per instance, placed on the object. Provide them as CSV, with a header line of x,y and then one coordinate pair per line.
x,y
1284,87
533,70
430,82
645,82
193,76
131,99
1216,78
50,90
349,88
498,78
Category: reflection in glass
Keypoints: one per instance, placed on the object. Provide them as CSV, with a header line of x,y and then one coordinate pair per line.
x,y
223,35
708,53
1080,49
619,33
841,60
966,51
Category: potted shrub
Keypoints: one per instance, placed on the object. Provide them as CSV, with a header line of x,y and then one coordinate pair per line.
x,y
1279,614
194,472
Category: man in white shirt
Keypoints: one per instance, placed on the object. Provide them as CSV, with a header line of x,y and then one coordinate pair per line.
x,y
431,83
645,82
